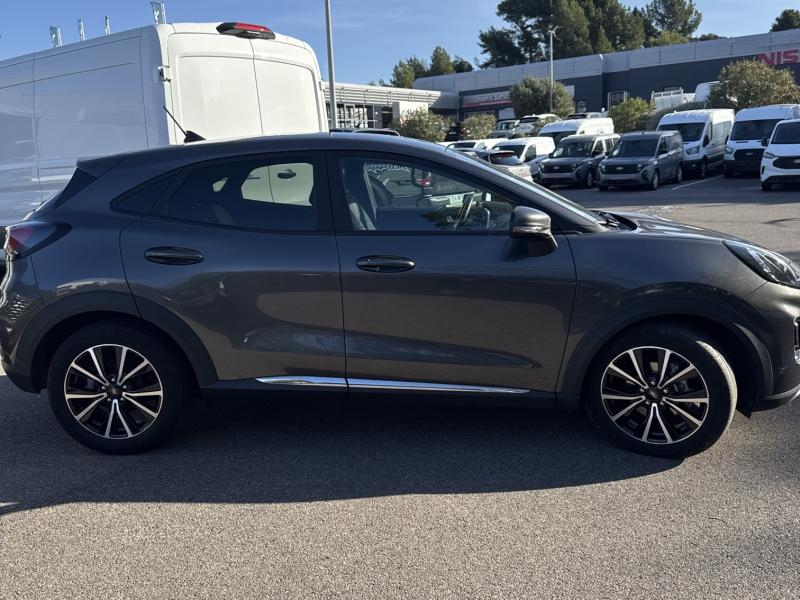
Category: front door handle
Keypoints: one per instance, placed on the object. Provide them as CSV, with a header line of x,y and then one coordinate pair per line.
x,y
385,264
173,256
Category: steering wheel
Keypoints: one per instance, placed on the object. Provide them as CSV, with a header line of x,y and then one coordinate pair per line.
x,y
469,202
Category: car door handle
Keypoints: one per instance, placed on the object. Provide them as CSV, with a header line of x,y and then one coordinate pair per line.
x,y
385,264
173,256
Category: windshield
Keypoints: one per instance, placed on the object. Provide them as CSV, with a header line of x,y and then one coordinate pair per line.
x,y
504,125
458,145
504,158
787,133
573,149
753,130
690,132
635,148
529,120
530,187
517,149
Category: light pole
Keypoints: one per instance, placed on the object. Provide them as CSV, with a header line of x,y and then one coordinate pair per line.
x,y
551,31
331,76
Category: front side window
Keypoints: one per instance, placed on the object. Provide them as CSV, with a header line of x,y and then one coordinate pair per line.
x,y
662,147
250,194
402,196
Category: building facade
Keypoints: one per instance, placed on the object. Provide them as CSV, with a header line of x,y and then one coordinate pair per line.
x,y
600,81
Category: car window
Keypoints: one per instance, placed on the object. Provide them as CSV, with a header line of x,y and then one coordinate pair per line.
x,y
142,198
530,153
402,196
251,194
662,147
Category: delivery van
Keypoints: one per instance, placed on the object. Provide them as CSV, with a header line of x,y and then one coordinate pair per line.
x,y
561,129
705,135
752,125
781,160
108,94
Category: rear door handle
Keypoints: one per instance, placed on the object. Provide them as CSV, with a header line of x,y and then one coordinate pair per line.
x,y
385,264
173,256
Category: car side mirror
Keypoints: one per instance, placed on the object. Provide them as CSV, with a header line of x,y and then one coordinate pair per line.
x,y
765,142
421,179
534,227
706,141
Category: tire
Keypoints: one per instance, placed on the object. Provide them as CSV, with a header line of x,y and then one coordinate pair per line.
x,y
654,181
679,174
766,187
703,170
625,421
602,188
588,181
118,423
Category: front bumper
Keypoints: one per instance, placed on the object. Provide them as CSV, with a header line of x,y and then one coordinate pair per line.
x,y
641,178
772,174
564,177
730,165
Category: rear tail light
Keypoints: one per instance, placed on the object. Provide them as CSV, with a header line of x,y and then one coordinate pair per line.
x,y
25,238
247,30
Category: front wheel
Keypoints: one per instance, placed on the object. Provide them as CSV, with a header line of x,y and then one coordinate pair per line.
x,y
588,181
663,390
116,389
679,174
654,182
703,170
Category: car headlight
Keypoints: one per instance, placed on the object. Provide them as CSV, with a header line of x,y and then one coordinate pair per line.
x,y
575,166
693,150
602,168
729,150
641,166
770,265
768,155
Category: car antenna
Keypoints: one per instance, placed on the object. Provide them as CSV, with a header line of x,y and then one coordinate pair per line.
x,y
189,136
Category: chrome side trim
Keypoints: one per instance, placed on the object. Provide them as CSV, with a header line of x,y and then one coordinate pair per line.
x,y
305,381
377,384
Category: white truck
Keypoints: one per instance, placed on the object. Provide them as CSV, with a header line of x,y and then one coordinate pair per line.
x,y
108,94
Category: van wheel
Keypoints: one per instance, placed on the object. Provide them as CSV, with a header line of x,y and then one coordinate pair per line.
x,y
588,181
116,389
679,174
703,170
654,181
766,187
663,390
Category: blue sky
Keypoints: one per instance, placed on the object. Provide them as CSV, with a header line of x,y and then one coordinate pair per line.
x,y
369,35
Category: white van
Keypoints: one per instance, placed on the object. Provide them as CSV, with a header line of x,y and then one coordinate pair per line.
x,y
107,94
781,161
751,126
705,134
528,124
561,129
530,151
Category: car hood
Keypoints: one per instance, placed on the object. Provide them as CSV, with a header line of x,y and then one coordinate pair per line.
x,y
649,224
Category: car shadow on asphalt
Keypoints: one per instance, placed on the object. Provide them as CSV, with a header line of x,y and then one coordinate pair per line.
x,y
249,451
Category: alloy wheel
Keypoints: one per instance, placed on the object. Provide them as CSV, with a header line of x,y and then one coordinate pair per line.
x,y
654,395
113,391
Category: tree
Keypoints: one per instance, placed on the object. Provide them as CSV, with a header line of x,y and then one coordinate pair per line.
x,y
422,125
788,19
532,96
462,65
630,115
706,37
403,75
749,83
441,63
667,38
679,16
503,48
478,127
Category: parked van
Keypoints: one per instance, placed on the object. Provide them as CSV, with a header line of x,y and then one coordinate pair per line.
x,y
484,144
106,95
744,150
504,128
644,158
705,134
530,151
562,129
576,160
781,161
530,124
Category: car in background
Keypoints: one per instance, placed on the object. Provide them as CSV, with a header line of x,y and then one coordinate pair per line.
x,y
561,129
576,160
646,158
781,160
375,130
584,115
505,160
364,266
744,150
473,144
455,133
504,128
529,150
530,125
705,135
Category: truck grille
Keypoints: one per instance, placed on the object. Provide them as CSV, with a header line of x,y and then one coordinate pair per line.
x,y
787,162
556,169
749,155
621,169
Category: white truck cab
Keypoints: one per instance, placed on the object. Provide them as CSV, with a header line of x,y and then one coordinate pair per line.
x,y
781,160
561,129
107,95
705,134
744,150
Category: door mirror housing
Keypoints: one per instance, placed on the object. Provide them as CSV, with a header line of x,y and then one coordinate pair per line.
x,y
765,142
534,227
706,140
421,179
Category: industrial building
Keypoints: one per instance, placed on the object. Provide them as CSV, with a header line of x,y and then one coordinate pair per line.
x,y
600,81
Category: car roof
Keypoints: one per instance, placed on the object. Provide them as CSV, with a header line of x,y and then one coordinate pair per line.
x,y
648,134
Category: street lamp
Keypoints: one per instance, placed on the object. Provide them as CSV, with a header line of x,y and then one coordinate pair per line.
x,y
331,76
551,31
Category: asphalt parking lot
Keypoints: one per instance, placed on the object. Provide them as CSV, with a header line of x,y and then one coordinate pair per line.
x,y
255,500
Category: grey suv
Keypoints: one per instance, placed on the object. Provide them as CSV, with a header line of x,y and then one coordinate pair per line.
x,y
370,265
645,158
576,160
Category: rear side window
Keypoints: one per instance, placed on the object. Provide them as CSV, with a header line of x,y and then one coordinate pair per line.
x,y
143,197
275,195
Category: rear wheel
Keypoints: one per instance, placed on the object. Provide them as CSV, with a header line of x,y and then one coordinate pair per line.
x,y
663,390
116,389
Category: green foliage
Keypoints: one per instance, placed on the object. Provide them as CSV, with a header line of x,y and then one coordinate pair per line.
x,y
788,19
655,117
630,115
706,37
441,63
532,96
676,16
478,127
667,38
504,48
422,125
749,83
402,75
405,72
462,65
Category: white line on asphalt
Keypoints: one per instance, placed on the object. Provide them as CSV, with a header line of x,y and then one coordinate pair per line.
x,y
696,182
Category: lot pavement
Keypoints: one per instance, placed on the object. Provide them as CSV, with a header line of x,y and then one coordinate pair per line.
x,y
262,501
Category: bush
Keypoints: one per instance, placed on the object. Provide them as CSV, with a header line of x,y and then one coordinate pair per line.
x,y
422,125
749,83
631,115
531,96
478,127
655,117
